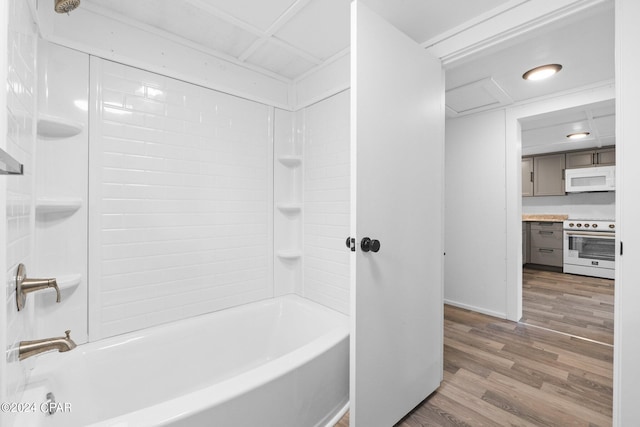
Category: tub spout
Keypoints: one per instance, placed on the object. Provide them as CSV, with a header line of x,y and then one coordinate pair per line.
x,y
31,348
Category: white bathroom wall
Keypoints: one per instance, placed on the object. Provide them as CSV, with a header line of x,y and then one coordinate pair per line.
x,y
147,48
181,200
475,213
62,190
323,82
327,202
19,193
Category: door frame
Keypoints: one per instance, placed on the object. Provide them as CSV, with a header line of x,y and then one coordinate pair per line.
x,y
513,157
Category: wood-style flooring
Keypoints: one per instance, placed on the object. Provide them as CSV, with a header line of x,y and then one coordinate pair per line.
x,y
503,373
576,305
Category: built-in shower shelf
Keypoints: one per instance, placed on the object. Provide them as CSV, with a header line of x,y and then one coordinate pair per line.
x,y
289,208
289,254
290,161
57,127
48,205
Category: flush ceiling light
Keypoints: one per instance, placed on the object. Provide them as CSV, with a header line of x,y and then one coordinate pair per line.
x,y
542,72
578,135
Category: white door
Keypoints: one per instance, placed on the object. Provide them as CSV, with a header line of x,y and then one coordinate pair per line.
x,y
397,151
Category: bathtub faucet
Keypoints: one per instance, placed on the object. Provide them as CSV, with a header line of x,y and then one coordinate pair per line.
x,y
31,348
25,286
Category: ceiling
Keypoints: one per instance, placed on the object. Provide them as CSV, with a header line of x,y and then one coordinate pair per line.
x,y
583,44
287,39
546,133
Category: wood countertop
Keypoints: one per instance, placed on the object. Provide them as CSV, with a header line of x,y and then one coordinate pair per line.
x,y
545,217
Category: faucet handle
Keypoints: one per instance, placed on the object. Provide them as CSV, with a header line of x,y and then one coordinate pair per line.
x,y
54,284
24,286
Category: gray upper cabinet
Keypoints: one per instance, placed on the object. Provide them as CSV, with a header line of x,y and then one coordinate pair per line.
x,y
586,159
548,175
606,157
527,177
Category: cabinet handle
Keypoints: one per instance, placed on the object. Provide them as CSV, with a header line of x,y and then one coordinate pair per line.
x,y
563,174
548,251
597,158
531,176
545,232
593,158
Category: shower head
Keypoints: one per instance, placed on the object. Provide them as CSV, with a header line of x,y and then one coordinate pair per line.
x,y
66,6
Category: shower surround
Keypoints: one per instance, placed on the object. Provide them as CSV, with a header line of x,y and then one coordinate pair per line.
x,y
180,216
163,191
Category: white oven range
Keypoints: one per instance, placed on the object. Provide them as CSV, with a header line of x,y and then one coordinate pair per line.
x,y
589,247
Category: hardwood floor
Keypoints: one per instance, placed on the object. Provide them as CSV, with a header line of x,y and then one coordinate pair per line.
x,y
502,373
577,305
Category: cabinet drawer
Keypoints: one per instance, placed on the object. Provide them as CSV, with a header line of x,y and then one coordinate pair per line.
x,y
546,239
546,256
544,225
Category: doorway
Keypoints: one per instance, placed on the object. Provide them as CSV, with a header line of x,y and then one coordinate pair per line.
x,y
562,229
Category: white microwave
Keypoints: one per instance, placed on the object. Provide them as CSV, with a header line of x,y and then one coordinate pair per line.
x,y
602,178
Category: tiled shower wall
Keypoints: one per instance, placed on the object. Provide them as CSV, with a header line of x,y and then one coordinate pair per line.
x,y
327,202
20,143
181,189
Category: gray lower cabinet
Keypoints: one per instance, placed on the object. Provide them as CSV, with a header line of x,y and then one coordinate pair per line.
x,y
546,243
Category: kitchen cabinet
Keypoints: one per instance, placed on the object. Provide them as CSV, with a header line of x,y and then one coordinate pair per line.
x,y
548,175
546,243
527,177
591,158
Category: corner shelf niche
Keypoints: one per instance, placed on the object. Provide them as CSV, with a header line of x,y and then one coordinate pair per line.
x,y
49,205
289,255
56,127
290,208
290,161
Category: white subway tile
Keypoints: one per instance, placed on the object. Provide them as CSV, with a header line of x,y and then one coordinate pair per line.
x,y
183,209
327,202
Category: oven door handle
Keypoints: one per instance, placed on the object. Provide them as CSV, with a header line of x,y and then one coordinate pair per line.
x,y
599,235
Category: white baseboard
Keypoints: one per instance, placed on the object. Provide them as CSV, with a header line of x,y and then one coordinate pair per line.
x,y
476,309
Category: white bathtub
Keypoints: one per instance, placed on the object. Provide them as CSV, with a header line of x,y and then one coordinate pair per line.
x,y
281,362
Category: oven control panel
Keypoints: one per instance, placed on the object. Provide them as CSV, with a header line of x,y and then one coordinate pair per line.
x,y
590,225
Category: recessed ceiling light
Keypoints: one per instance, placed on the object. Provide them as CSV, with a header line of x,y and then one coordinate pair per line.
x,y
542,72
578,135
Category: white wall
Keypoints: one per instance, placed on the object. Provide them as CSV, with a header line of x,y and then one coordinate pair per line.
x,y
18,192
475,213
326,272
482,192
626,394
154,50
180,195
326,81
601,205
